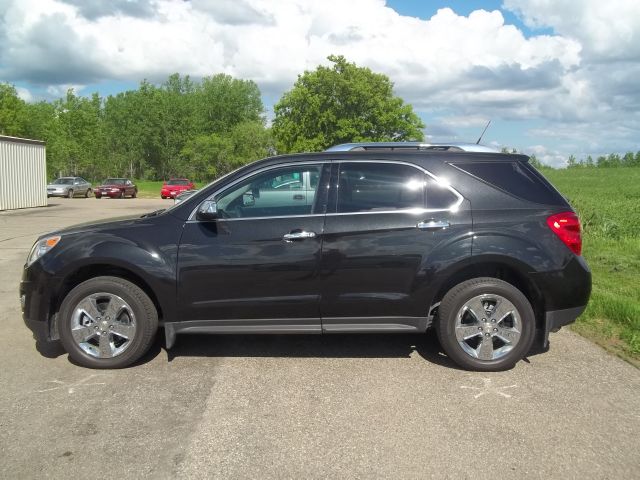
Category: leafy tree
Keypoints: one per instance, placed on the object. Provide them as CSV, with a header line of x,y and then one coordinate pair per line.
x,y
208,156
224,102
13,114
342,103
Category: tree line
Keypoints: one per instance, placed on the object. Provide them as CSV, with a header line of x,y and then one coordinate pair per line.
x,y
202,129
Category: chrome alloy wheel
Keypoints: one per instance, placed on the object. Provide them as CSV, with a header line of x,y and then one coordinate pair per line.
x,y
103,325
488,327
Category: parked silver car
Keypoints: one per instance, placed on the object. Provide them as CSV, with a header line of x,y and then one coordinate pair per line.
x,y
69,187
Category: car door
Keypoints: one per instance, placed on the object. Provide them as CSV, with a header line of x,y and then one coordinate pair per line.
x,y
380,240
255,268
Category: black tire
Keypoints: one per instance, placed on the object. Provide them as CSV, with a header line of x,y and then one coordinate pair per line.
x,y
453,302
146,318
98,197
88,192
135,194
163,197
70,193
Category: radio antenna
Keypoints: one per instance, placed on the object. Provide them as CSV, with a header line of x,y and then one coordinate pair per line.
x,y
482,134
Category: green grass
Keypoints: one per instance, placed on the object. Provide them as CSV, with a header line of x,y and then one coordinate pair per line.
x,y
148,188
608,202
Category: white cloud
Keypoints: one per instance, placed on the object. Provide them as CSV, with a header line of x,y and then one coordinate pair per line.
x,y
462,69
24,94
550,157
607,30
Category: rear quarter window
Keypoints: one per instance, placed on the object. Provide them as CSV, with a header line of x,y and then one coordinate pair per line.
x,y
517,178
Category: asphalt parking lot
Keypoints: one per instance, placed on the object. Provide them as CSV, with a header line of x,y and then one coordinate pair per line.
x,y
351,406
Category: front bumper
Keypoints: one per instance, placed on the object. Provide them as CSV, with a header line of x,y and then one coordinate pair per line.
x,y
56,193
37,300
109,194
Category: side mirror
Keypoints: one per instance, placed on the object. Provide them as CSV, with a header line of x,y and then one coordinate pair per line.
x,y
207,212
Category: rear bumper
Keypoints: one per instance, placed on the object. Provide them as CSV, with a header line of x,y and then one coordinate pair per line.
x,y
107,194
556,319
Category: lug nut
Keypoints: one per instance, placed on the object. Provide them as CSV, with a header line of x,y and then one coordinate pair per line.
x,y
495,329
486,334
493,320
484,319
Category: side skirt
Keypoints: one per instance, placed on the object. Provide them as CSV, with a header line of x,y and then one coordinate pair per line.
x,y
297,326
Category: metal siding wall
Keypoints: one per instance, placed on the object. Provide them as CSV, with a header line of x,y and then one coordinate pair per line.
x,y
23,175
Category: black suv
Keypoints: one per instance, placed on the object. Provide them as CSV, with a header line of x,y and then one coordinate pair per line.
x,y
360,238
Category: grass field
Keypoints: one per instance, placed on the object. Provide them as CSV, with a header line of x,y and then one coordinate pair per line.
x,y
608,202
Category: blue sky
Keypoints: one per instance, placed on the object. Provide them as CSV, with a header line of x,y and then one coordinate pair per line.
x,y
556,77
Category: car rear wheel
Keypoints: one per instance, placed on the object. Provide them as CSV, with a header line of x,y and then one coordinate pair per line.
x,y
107,322
86,195
135,194
485,324
70,193
121,194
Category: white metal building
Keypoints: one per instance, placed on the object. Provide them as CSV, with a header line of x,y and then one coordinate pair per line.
x,y
23,173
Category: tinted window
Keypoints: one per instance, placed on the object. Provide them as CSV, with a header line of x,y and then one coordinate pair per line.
x,y
114,181
367,187
63,181
517,178
180,181
439,196
277,192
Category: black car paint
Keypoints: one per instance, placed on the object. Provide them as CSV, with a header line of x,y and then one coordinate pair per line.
x,y
372,272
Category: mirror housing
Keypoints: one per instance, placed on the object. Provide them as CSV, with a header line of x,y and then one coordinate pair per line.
x,y
207,212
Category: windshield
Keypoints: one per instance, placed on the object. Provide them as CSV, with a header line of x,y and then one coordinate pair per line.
x,y
178,181
114,181
63,181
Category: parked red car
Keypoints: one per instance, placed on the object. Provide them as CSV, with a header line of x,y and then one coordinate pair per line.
x,y
175,186
116,188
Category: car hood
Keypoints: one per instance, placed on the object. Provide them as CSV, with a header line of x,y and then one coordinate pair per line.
x,y
89,227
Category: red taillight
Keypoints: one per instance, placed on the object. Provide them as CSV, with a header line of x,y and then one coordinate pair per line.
x,y
566,226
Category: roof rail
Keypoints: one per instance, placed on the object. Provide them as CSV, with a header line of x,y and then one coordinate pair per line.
x,y
441,147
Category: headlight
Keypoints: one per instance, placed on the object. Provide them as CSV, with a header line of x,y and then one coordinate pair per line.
x,y
41,247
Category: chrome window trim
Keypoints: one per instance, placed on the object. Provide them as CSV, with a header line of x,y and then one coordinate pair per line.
x,y
192,216
417,211
446,185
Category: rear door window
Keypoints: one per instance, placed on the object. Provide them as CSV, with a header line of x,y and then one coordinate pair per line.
x,y
371,187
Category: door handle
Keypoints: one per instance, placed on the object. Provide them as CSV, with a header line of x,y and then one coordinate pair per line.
x,y
298,196
432,225
289,237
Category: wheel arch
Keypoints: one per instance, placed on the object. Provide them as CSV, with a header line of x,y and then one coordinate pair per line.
x,y
87,272
506,269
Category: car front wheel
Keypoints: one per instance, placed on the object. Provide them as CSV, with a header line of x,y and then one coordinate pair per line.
x,y
107,322
70,193
485,324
